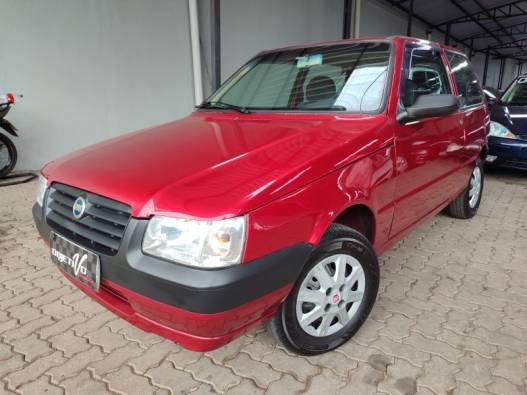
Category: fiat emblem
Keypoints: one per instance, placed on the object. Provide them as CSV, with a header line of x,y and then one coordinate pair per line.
x,y
79,207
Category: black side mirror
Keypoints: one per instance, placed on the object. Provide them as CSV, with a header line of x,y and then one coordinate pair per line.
x,y
492,95
427,106
492,101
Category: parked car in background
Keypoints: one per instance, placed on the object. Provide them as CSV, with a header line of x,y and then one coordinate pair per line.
x,y
508,127
274,198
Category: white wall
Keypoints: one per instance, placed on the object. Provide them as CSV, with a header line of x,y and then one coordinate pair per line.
x,y
378,19
249,26
91,70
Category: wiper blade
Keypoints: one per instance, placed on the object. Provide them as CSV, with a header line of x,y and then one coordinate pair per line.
x,y
222,105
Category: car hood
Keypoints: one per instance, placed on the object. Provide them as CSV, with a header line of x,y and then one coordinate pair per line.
x,y
218,165
513,117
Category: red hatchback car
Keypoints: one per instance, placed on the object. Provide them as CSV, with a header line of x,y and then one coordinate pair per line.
x,y
275,197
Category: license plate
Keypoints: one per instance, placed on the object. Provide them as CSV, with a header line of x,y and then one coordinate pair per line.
x,y
75,260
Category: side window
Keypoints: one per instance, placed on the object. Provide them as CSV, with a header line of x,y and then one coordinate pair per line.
x,y
466,81
423,74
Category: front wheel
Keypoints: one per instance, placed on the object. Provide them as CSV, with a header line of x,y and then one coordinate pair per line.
x,y
8,156
332,297
466,205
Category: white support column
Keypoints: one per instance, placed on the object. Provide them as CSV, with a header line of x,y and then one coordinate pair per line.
x,y
356,18
196,50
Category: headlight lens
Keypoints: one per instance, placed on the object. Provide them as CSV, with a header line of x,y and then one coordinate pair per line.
x,y
207,244
498,130
42,185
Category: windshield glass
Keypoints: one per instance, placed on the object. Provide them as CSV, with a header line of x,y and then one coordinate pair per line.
x,y
343,77
516,95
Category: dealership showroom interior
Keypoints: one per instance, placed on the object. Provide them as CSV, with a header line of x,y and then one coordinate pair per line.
x,y
263,197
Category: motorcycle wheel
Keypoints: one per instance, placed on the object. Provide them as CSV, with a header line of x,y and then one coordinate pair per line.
x,y
8,156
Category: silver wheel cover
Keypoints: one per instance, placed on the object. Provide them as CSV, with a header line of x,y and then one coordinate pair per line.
x,y
330,295
475,187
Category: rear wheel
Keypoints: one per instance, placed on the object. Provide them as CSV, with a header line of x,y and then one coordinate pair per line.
x,y
333,296
8,156
466,205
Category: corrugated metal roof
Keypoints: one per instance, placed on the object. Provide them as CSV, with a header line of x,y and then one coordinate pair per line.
x,y
497,25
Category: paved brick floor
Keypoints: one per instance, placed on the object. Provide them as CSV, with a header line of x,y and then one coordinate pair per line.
x,y
451,318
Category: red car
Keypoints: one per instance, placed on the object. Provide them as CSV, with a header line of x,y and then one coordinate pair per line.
x,y
274,198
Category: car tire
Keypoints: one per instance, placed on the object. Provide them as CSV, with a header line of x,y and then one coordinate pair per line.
x,y
466,205
343,311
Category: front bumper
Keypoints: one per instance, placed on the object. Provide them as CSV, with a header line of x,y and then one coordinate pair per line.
x,y
199,309
507,152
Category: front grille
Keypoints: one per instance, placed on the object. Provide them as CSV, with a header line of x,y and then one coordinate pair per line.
x,y
101,228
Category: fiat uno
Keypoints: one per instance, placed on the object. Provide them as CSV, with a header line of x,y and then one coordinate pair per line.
x,y
272,201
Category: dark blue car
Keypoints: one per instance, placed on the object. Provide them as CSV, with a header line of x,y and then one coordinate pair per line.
x,y
508,126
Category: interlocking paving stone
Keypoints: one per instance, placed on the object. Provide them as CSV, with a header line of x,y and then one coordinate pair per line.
x,y
297,367
166,376
34,370
286,385
41,386
83,384
219,377
451,317
115,359
75,364
32,347
152,357
124,381
69,343
261,373
106,339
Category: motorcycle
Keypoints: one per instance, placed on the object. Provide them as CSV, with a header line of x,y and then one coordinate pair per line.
x,y
8,153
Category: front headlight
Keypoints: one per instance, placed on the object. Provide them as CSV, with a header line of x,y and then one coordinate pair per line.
x,y
42,185
206,244
498,130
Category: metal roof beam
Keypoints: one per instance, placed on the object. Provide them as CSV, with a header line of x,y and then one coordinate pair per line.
x,y
397,4
487,12
520,28
504,10
481,18
468,14
521,42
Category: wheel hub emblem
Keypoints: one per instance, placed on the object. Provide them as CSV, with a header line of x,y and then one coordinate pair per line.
x,y
336,299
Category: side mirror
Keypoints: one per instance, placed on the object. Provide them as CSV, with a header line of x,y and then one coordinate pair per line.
x,y
492,101
492,96
427,106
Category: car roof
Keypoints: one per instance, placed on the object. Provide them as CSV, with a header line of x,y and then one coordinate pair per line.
x,y
363,39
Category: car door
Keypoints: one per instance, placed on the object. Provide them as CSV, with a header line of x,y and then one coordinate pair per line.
x,y
474,113
426,149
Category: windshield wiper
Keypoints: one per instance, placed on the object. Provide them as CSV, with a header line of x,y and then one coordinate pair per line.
x,y
222,105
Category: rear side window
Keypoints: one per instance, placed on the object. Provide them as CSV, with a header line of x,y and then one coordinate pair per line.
x,y
467,84
424,73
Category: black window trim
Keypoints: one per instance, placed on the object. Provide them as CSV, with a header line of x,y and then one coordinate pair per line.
x,y
400,105
466,107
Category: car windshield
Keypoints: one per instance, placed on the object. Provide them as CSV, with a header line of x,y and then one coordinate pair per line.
x,y
516,95
342,77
